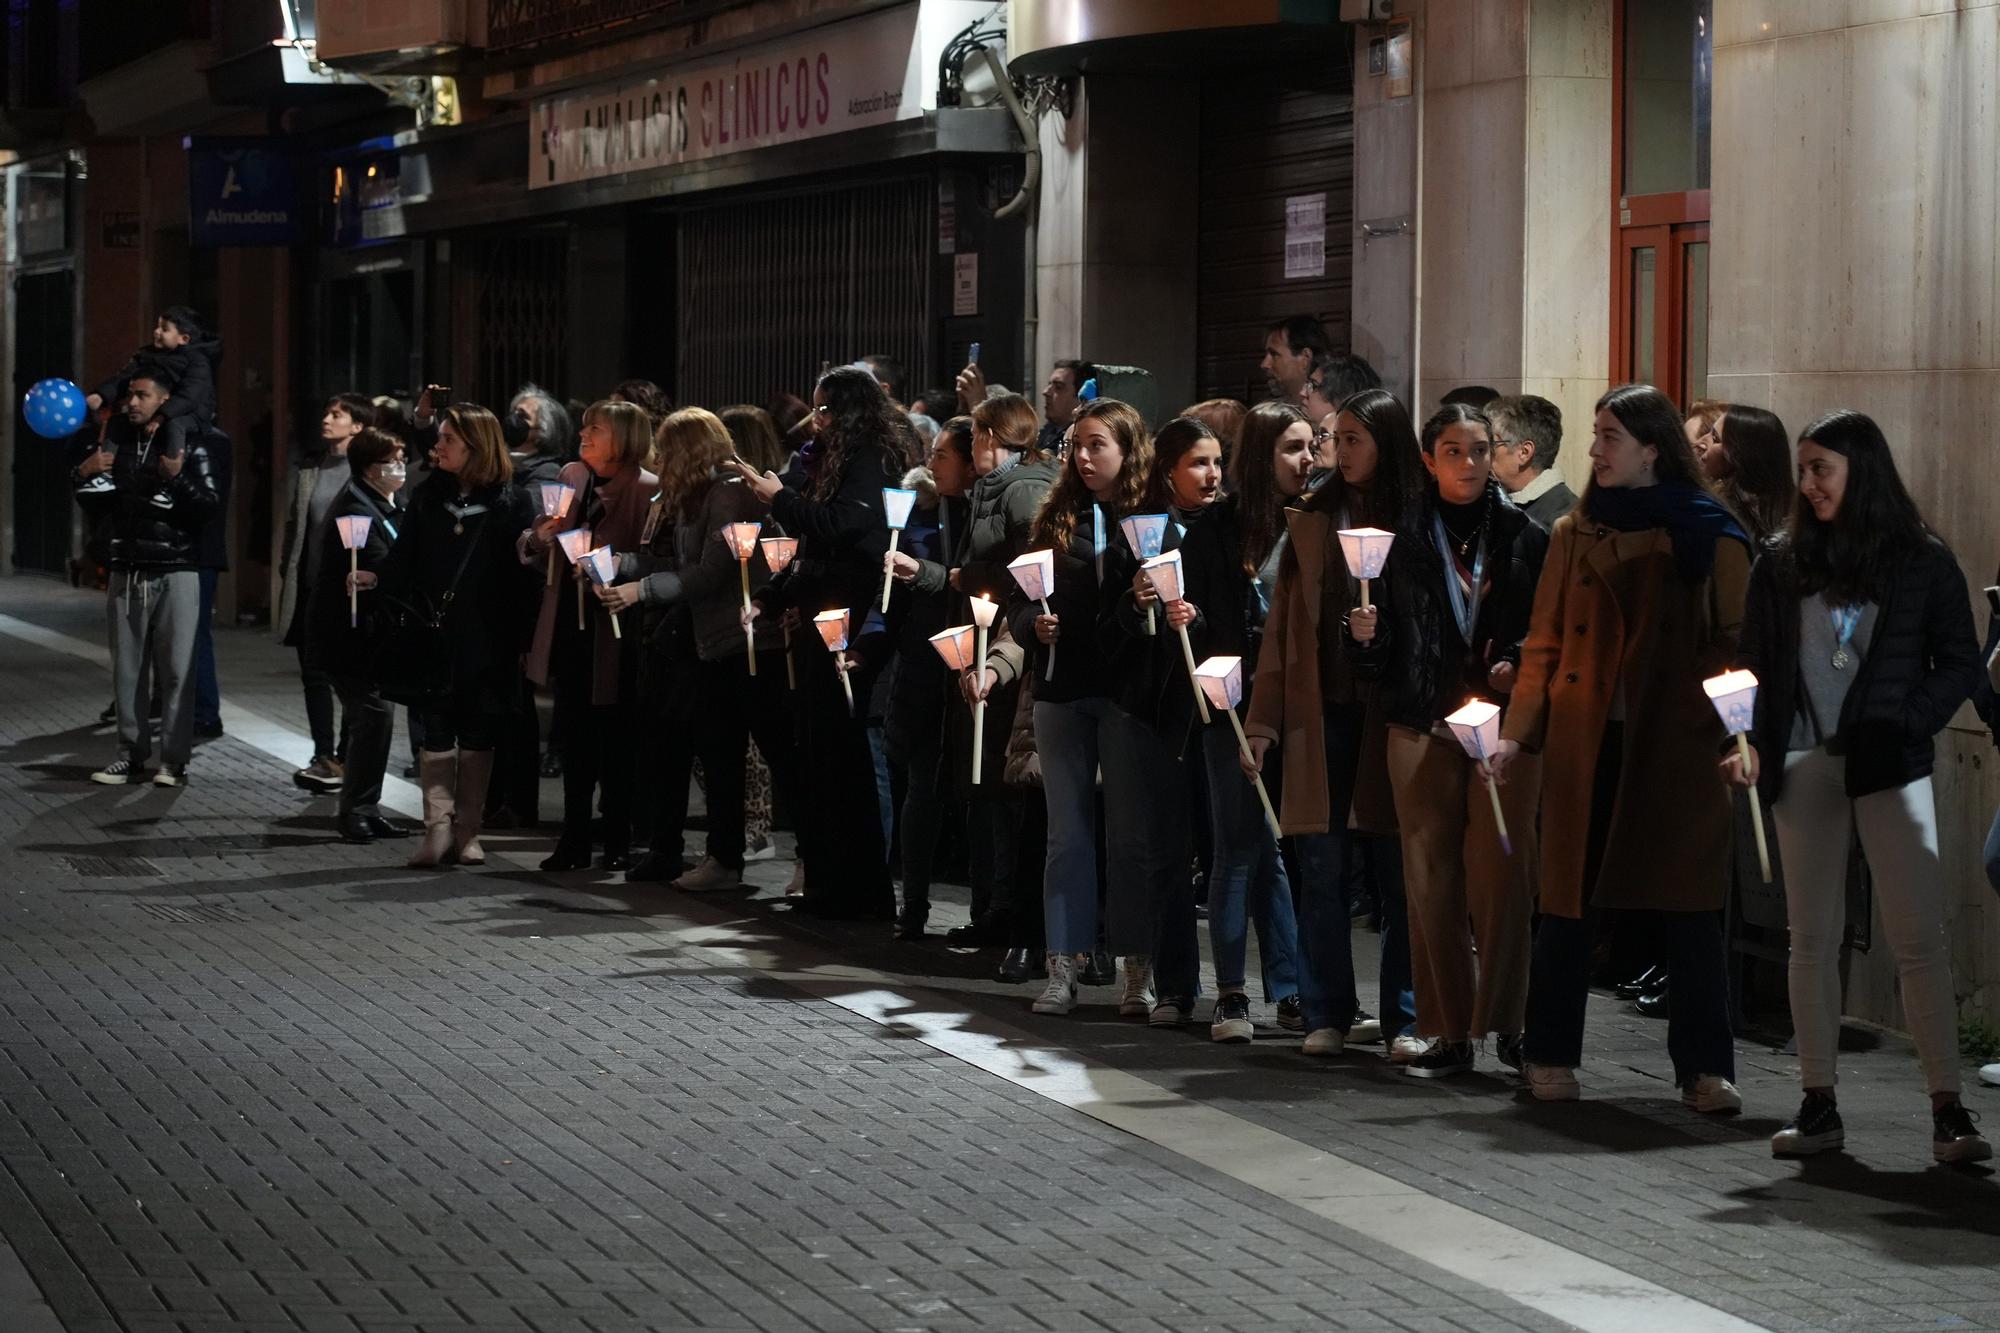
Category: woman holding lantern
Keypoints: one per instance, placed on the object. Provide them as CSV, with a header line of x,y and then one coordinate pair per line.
x,y
1640,600
862,444
1457,593
594,670
1860,632
1308,699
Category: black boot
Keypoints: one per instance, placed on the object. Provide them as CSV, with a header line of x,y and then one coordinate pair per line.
x,y
354,828
1101,970
1652,979
980,932
571,853
1653,1004
1021,965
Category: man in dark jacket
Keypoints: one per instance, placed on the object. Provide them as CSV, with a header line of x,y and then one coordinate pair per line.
x,y
154,488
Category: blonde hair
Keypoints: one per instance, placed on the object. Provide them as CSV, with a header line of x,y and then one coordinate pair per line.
x,y
488,463
1011,419
692,442
1055,524
631,429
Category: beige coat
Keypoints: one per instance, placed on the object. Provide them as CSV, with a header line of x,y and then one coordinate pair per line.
x,y
1285,701
1611,606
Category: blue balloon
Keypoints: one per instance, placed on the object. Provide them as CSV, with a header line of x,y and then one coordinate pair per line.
x,y
54,408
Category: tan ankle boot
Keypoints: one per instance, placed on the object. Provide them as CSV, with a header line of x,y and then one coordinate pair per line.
x,y
475,771
438,771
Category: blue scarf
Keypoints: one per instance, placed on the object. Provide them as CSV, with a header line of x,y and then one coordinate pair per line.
x,y
1693,517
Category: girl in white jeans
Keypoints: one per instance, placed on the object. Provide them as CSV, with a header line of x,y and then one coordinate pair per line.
x,y
1859,629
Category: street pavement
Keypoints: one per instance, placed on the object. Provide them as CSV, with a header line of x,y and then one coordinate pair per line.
x,y
254,1078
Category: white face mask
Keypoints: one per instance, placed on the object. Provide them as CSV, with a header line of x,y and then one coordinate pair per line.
x,y
394,471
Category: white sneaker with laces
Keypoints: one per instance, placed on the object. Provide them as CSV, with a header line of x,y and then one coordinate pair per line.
x,y
1712,1094
1551,1083
170,776
1059,996
1324,1041
1137,999
117,773
708,877
1406,1048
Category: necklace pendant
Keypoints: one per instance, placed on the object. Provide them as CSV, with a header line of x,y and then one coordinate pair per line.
x,y
458,529
1842,659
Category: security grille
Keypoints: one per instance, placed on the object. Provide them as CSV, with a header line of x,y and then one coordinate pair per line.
x,y
512,23
518,286
770,288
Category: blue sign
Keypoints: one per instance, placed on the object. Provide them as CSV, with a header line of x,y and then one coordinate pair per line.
x,y
241,192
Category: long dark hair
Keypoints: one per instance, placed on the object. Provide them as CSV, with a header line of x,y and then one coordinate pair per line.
x,y
860,416
1055,522
1878,525
1651,418
1760,487
1170,444
1254,479
1397,492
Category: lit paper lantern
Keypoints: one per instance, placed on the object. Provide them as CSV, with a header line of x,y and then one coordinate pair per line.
x,y
896,505
955,646
1144,533
779,551
556,498
832,627
1036,573
1367,550
1221,679
575,544
354,530
1165,573
600,565
1477,726
1734,694
741,538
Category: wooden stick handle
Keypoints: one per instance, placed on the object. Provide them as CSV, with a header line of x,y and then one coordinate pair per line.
x,y
749,626
791,671
1499,819
353,593
1756,810
1049,672
616,633
978,738
846,687
552,564
1200,699
1263,793
1364,596
888,580
581,588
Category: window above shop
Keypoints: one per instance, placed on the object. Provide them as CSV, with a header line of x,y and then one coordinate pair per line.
x,y
1665,92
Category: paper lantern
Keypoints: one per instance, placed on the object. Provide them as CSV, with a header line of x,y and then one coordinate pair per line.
x,y
1734,694
1035,572
1144,533
955,646
832,627
779,551
741,538
1477,726
600,566
896,505
1367,550
1221,679
556,498
354,530
1165,573
575,544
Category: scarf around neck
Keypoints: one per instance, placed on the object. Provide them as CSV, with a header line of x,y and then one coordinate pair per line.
x,y
1694,519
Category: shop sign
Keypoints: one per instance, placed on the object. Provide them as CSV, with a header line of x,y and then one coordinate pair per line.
x,y
241,192
844,76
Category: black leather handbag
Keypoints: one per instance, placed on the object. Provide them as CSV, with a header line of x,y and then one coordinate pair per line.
x,y
409,651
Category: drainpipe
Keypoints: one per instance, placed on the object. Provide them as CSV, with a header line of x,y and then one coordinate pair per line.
x,y
1026,201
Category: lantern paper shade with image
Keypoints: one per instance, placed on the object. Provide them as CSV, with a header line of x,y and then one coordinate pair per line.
x,y
959,650
1036,573
354,536
741,539
896,505
1164,572
1734,694
575,545
600,566
832,627
1145,534
1366,550
1477,726
556,499
1221,679
778,552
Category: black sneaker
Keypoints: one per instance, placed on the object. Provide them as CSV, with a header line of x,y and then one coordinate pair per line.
x,y
1954,1138
1367,1029
117,773
1101,970
1507,1050
1442,1060
1232,1019
1815,1129
1291,1014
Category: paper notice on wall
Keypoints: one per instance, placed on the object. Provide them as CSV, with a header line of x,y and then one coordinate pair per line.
x,y
1305,236
964,285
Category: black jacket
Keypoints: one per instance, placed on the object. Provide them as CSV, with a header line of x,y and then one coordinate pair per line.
x,y
1004,505
332,644
1425,669
153,522
1082,604
1921,664
221,473
193,401
842,540
1149,672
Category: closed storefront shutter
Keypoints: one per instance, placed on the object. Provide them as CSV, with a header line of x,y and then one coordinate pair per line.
x,y
1269,135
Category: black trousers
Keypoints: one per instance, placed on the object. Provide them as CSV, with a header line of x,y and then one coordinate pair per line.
x,y
327,740
668,679
736,707
517,758
600,747
840,817
371,723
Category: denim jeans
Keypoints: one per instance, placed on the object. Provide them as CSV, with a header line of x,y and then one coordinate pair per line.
x,y
207,690
885,793
1246,878
1070,737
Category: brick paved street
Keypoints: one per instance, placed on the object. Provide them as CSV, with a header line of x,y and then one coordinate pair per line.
x,y
254,1078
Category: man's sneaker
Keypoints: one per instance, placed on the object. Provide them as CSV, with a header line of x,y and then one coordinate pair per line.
x,y
117,773
1059,996
1551,1083
1137,1001
170,775
1172,1011
1291,1014
1507,1050
1403,1049
1954,1137
760,849
1323,1041
1442,1060
1815,1129
709,876
322,775
110,713
1232,1019
1712,1094
1367,1029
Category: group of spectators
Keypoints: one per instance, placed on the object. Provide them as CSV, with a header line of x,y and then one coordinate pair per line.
x,y
783,608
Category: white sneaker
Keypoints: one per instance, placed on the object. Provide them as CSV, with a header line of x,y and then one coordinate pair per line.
x,y
1712,1094
1551,1083
1406,1048
796,888
760,849
1059,996
1990,1075
709,876
117,773
170,775
1367,1029
1324,1041
1137,1000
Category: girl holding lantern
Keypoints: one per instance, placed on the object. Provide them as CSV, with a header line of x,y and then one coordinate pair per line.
x,y
1457,593
862,444
593,667
1308,698
1103,473
1640,600
706,514
1860,631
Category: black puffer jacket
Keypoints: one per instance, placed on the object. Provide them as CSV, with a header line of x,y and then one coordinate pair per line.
x,y
1425,668
1004,505
1921,664
193,400
1149,672
1081,603
153,522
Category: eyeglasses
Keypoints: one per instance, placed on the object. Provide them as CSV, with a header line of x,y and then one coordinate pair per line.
x,y
1317,386
822,411
1322,436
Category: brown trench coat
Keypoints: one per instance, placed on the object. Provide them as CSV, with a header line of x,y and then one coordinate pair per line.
x,y
1286,705
1609,603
